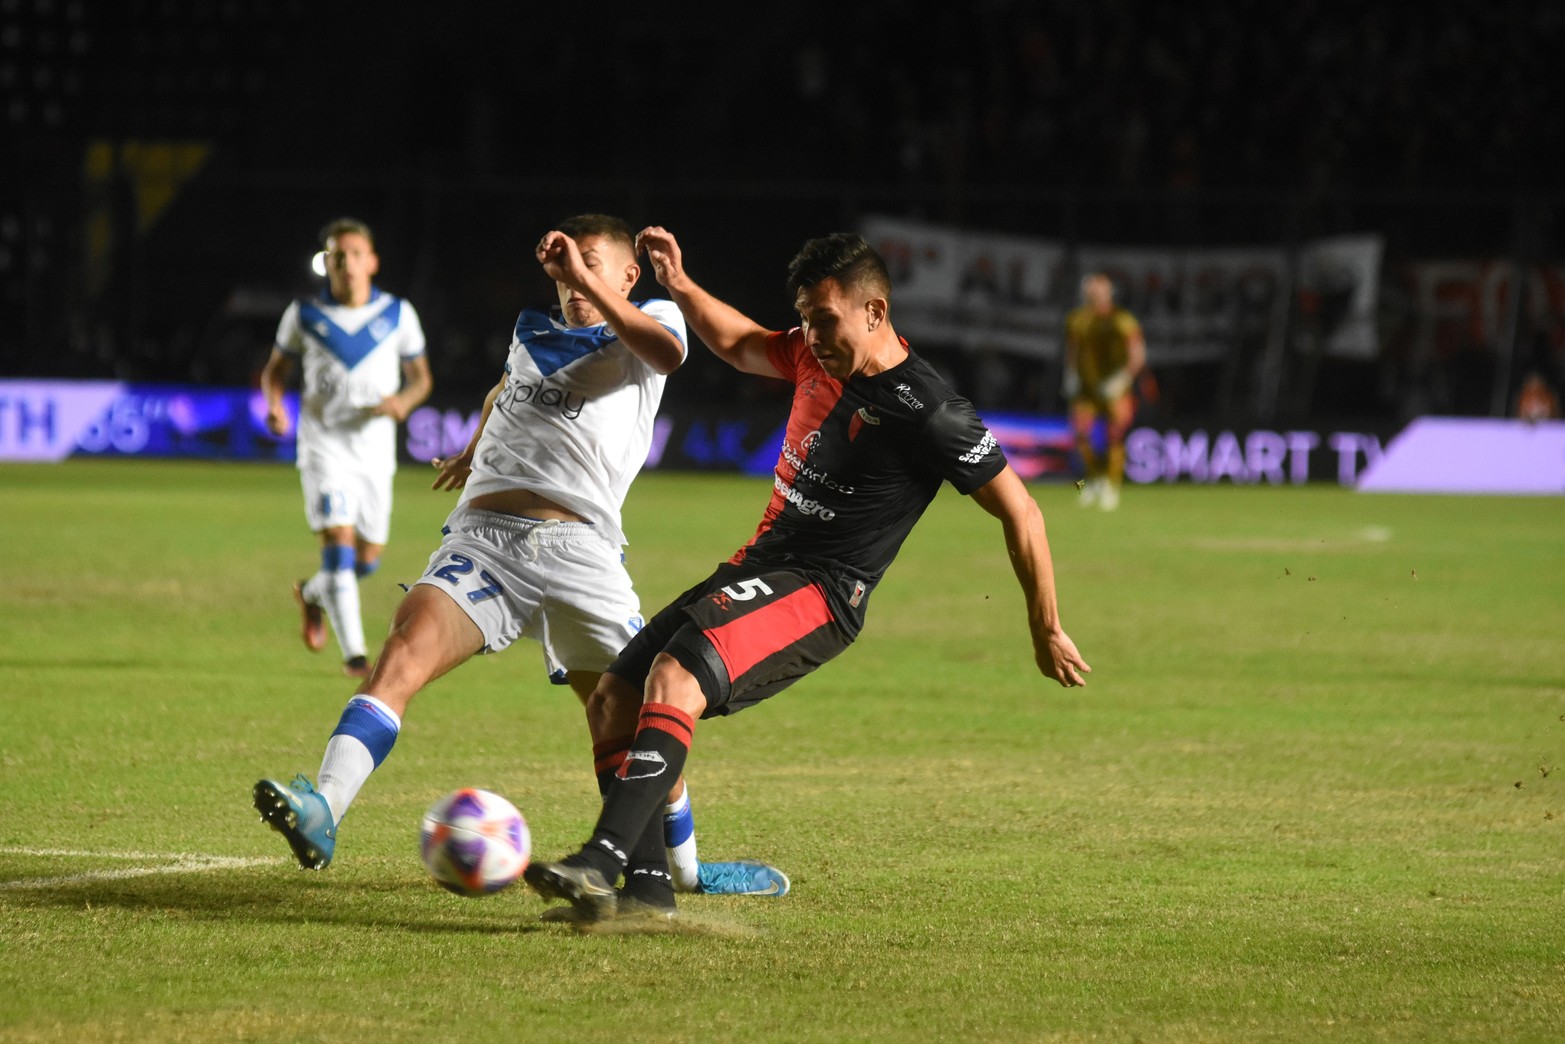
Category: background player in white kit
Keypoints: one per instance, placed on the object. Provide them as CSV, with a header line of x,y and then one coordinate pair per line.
x,y
532,548
364,371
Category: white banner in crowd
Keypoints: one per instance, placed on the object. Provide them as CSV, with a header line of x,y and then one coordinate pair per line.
x,y
985,290
1338,283
974,289
1195,305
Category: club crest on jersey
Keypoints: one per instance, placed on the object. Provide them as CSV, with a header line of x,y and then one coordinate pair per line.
x,y
380,328
809,442
862,416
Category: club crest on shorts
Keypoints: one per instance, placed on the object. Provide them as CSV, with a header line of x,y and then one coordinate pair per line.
x,y
858,594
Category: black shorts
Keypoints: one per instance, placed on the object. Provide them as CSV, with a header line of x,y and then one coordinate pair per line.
x,y
746,632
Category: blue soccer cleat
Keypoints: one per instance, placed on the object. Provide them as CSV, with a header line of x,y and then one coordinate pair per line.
x,y
742,878
302,816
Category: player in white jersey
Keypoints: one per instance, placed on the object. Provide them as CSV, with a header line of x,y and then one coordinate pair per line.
x,y
533,547
362,351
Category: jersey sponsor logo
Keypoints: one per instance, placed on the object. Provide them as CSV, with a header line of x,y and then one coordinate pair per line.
x,y
905,394
541,396
805,471
986,446
801,502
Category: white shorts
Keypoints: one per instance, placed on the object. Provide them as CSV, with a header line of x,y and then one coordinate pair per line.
x,y
339,497
560,583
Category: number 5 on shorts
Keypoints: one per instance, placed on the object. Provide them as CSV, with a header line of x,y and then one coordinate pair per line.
x,y
747,589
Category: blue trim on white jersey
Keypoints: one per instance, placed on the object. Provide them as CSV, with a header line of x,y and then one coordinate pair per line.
x,y
553,346
351,348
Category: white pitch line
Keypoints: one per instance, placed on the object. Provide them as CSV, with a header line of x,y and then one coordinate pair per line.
x,y
177,863
72,853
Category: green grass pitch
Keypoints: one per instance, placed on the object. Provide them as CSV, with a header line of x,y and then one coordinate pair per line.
x,y
1314,790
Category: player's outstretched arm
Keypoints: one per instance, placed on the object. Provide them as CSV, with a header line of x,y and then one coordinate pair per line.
x,y
455,470
731,335
274,380
1006,498
648,339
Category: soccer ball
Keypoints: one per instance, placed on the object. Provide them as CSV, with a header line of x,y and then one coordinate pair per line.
x,y
474,842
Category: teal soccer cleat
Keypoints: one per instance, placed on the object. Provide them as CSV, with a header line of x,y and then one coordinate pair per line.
x,y
302,816
742,878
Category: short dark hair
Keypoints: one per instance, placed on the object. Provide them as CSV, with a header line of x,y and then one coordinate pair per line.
x,y
606,225
341,225
843,256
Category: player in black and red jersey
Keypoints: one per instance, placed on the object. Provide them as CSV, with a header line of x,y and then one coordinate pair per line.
x,y
873,433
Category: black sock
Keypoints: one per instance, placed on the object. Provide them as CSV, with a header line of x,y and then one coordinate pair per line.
x,y
647,877
636,793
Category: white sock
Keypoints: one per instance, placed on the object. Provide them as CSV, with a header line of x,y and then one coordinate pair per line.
x,y
363,738
340,598
679,833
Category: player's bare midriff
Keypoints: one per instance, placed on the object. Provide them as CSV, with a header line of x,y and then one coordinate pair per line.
x,y
525,503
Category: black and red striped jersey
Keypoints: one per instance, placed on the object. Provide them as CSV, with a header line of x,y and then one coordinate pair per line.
x,y
860,462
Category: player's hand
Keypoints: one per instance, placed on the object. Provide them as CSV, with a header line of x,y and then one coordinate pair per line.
x,y
662,249
1058,659
1114,386
453,470
392,406
277,419
561,260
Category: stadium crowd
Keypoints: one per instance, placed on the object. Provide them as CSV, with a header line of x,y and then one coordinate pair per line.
x,y
784,111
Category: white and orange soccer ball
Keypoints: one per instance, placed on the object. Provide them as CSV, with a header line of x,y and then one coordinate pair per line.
x,y
474,842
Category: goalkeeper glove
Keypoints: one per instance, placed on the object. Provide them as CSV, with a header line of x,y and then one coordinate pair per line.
x,y
1115,385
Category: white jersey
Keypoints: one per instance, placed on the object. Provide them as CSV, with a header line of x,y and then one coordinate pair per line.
x,y
352,360
573,422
